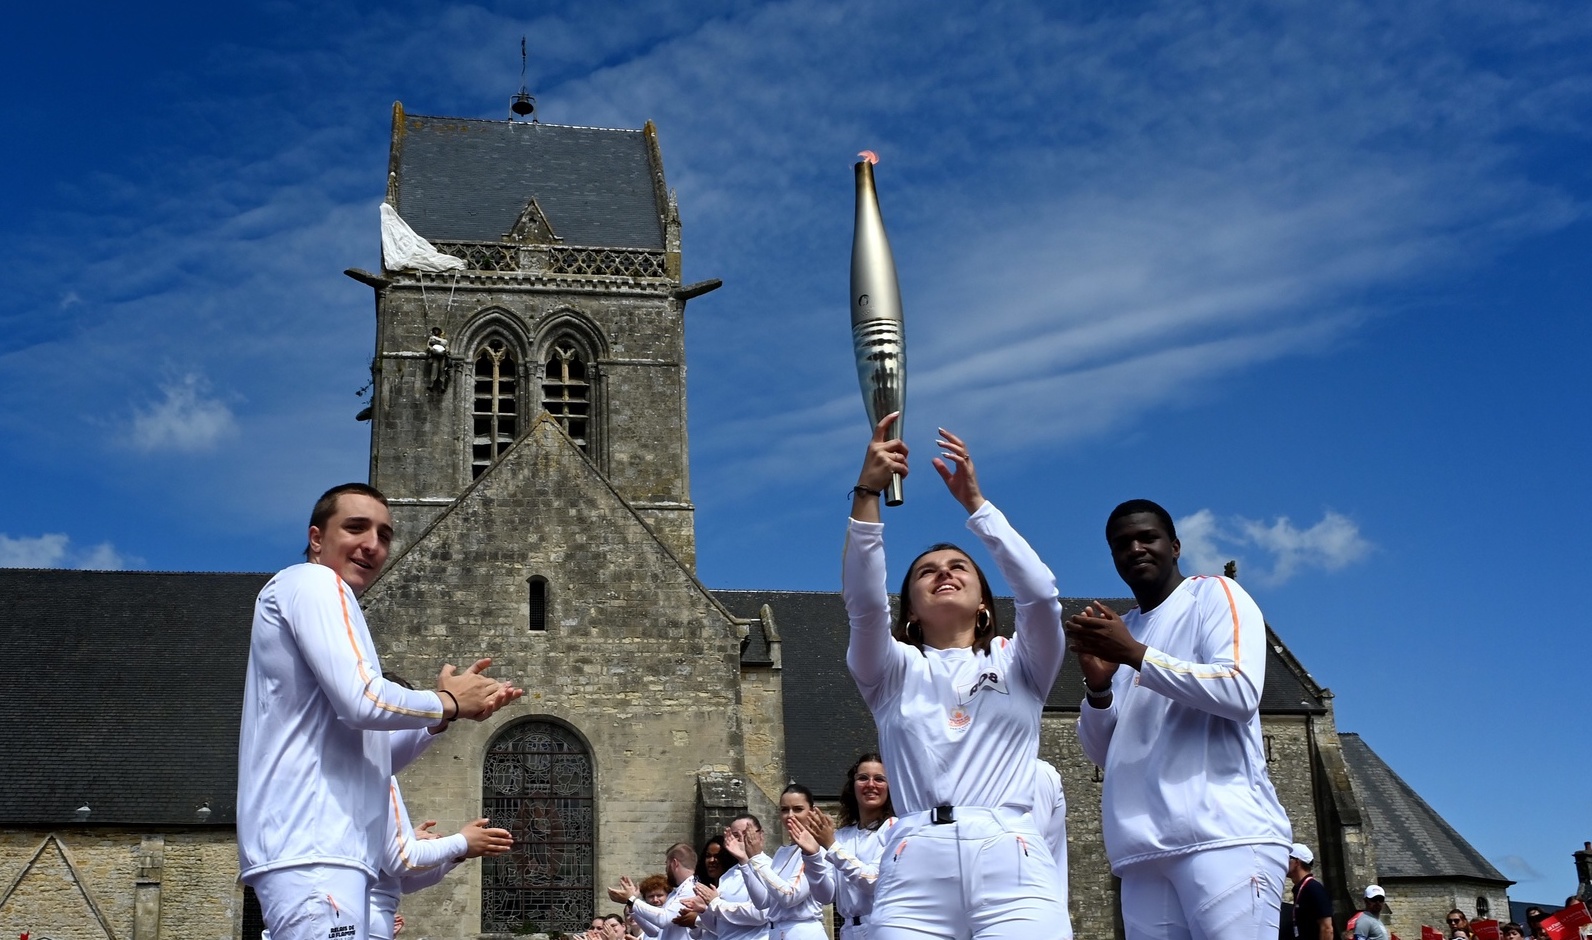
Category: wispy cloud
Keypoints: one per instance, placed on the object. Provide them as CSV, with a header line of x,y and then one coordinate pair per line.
x,y
55,550
1270,552
186,421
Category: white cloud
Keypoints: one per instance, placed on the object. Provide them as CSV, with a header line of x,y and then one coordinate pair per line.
x,y
55,550
185,421
1270,552
70,299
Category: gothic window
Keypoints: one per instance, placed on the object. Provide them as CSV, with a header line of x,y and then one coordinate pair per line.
x,y
538,603
493,410
537,783
566,391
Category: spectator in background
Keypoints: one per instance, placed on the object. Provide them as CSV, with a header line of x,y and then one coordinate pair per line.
x,y
1511,931
1458,924
1312,905
711,865
1368,926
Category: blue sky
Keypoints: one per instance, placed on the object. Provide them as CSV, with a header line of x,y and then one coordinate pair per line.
x,y
1312,276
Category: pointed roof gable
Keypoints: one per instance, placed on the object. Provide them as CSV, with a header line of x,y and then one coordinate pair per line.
x,y
455,179
1409,837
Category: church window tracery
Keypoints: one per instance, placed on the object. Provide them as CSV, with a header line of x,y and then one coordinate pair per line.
x,y
566,390
494,410
537,783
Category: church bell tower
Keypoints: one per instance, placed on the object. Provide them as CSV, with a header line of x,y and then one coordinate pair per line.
x,y
552,288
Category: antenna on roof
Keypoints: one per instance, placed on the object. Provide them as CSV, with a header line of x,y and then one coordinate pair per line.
x,y
523,104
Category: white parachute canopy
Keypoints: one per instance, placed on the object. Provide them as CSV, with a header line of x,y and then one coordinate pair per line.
x,y
404,250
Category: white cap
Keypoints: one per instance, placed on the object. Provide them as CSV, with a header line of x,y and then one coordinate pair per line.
x,y
1302,852
1374,891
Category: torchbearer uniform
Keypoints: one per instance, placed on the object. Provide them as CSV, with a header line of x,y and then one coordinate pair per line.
x,y
959,733
793,888
320,732
408,865
855,859
1192,825
659,921
732,915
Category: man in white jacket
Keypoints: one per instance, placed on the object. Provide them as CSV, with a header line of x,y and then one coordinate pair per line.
x,y
1191,823
323,731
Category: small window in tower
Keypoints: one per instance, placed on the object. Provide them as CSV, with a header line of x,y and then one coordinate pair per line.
x,y
1268,741
538,604
566,391
493,410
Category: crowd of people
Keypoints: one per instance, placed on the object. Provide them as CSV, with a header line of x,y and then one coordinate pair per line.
x,y
953,829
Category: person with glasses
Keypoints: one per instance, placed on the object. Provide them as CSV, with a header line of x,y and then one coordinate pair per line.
x,y
1458,924
854,850
1369,926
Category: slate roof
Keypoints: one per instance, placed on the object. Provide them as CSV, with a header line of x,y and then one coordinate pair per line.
x,y
130,685
1409,837
826,723
123,693
467,180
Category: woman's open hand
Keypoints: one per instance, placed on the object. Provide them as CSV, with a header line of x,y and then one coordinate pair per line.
x,y
963,480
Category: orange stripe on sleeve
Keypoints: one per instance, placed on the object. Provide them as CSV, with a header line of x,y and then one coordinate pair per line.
x,y
359,657
1224,673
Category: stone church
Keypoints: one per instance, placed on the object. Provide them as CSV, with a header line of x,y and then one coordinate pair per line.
x,y
528,423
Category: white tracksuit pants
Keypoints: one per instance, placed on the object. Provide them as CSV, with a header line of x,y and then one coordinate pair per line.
x,y
987,876
1230,893
314,902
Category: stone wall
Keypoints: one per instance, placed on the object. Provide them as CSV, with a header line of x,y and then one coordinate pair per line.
x,y
90,884
635,347
1410,904
637,658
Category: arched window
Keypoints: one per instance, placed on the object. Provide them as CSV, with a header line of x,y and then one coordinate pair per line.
x,y
566,390
494,412
538,603
537,783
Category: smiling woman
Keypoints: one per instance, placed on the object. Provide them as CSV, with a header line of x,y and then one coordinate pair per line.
x,y
958,716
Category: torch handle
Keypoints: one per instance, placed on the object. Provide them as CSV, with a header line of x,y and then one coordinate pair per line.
x,y
893,496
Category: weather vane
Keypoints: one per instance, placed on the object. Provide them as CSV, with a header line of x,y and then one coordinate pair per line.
x,y
522,103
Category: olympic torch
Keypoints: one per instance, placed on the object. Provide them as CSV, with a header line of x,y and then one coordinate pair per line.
x,y
876,327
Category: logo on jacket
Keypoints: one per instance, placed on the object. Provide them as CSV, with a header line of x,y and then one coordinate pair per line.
x,y
989,680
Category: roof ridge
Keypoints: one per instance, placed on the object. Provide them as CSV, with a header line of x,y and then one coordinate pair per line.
x,y
578,127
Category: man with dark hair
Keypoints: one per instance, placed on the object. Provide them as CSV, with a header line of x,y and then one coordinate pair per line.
x,y
313,773
1312,905
1191,822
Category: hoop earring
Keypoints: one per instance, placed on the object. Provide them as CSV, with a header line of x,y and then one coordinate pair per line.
x,y
983,619
910,625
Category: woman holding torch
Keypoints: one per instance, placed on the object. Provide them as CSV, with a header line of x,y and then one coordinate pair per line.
x,y
957,709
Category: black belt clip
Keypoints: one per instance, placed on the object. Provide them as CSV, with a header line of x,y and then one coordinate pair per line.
x,y
854,921
944,815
